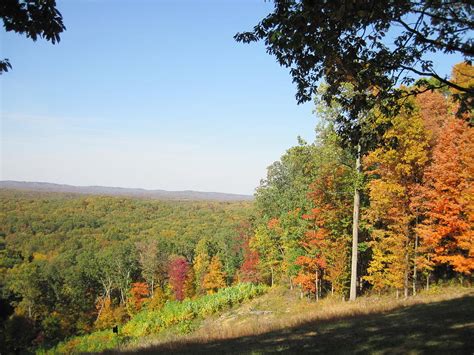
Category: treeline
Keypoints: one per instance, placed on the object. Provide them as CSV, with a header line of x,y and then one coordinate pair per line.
x,y
416,201
71,264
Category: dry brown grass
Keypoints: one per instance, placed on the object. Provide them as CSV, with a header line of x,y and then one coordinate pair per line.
x,y
284,311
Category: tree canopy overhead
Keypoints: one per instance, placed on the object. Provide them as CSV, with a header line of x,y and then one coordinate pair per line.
x,y
376,45
33,18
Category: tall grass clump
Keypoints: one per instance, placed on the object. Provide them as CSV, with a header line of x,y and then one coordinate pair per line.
x,y
173,314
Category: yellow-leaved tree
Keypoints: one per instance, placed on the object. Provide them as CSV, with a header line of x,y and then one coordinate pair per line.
x,y
201,265
395,169
215,278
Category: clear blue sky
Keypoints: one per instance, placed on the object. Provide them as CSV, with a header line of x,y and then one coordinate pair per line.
x,y
152,94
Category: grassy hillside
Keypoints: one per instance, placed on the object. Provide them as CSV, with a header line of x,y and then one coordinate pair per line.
x,y
436,322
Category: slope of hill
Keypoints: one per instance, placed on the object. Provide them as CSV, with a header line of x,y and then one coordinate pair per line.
x,y
433,322
120,191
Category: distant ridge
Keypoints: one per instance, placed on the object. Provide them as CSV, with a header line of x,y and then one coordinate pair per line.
x,y
121,191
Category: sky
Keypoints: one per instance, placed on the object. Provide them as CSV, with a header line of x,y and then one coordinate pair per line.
x,y
149,94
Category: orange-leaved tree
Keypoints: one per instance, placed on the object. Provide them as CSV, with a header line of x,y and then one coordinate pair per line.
x,y
139,293
447,198
313,262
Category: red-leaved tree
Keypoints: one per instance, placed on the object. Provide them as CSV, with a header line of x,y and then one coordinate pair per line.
x,y
177,272
249,270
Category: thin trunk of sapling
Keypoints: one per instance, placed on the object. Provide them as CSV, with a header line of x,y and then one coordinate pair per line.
x,y
405,283
414,264
316,285
320,286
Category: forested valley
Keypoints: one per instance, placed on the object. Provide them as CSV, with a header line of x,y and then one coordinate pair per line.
x,y
71,264
74,265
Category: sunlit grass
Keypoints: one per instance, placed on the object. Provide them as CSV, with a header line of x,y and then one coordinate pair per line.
x,y
291,323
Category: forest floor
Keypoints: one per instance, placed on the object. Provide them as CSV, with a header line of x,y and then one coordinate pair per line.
x,y
440,321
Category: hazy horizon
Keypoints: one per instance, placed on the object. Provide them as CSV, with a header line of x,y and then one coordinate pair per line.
x,y
117,187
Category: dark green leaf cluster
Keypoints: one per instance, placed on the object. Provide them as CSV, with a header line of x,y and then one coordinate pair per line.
x,y
373,45
33,18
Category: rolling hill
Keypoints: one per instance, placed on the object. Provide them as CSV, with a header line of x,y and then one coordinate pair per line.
x,y
120,191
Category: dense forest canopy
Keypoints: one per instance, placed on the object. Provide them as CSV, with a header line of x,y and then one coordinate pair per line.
x,y
65,259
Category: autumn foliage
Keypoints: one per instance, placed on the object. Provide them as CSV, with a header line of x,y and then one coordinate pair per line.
x,y
395,170
138,295
249,270
314,261
178,271
447,200
215,278
417,201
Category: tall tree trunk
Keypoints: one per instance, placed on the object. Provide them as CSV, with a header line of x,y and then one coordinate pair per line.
x,y
355,231
414,264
